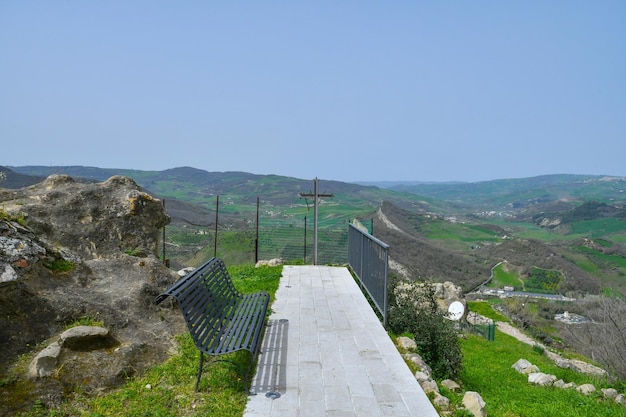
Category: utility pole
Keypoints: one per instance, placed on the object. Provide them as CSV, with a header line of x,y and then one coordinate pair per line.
x,y
316,195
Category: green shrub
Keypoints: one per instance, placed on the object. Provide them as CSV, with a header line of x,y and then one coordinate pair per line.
x,y
414,309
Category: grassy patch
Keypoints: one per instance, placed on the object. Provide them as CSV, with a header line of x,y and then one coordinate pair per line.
x,y
59,265
487,370
484,309
86,321
502,276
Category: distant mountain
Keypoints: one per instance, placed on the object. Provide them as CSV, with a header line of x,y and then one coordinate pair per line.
x,y
541,194
520,193
12,179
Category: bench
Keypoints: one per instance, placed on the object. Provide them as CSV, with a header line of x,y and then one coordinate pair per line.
x,y
220,319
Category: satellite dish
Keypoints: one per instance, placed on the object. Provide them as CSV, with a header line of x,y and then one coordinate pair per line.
x,y
456,310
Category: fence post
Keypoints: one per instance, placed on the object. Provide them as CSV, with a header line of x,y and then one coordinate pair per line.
x,y
217,209
256,240
163,248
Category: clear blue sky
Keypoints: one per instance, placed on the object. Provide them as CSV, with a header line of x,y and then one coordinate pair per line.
x,y
341,90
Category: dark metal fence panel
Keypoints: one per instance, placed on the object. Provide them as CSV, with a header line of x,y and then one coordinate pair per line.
x,y
247,236
488,331
369,259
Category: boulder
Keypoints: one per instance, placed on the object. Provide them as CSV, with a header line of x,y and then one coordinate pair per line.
x,y
421,376
71,250
441,402
429,385
451,385
419,362
585,368
44,364
610,393
586,389
406,343
561,363
475,404
86,338
271,262
524,367
539,378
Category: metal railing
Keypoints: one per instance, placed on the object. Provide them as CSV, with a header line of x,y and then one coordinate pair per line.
x,y
369,259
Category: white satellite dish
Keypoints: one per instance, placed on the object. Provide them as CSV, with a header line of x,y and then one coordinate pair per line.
x,y
456,310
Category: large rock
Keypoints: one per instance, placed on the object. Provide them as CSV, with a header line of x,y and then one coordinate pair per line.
x,y
475,404
419,362
45,363
523,366
539,378
610,393
445,293
430,385
586,389
441,402
406,343
92,220
451,385
86,338
65,255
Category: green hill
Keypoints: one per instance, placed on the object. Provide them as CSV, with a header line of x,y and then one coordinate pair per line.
x,y
510,194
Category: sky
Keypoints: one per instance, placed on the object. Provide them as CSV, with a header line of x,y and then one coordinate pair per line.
x,y
339,90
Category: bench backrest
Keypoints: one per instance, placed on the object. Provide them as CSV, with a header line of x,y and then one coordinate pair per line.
x,y
207,298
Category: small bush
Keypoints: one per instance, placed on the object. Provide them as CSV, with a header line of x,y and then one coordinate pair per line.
x,y
414,309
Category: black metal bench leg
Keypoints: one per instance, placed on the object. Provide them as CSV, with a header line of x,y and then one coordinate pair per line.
x,y
200,369
247,379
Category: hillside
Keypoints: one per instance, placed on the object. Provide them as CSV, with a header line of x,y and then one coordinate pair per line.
x,y
549,221
521,193
420,244
200,187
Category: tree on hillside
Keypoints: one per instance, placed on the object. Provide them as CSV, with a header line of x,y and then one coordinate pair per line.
x,y
603,339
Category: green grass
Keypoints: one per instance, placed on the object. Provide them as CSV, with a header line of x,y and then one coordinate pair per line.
x,y
59,265
599,227
502,276
487,370
615,260
457,232
168,389
484,309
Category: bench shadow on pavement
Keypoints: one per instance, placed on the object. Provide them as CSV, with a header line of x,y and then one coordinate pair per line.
x,y
271,376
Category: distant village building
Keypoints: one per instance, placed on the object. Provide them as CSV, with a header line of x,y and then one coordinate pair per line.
x,y
570,318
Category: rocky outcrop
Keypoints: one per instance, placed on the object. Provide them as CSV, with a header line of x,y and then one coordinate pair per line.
x,y
89,220
65,255
444,293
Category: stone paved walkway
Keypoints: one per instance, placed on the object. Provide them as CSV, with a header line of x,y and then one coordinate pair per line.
x,y
325,353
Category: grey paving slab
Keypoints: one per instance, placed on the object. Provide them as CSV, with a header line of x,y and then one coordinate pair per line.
x,y
325,353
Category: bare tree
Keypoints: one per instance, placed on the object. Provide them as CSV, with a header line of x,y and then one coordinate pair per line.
x,y
603,338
